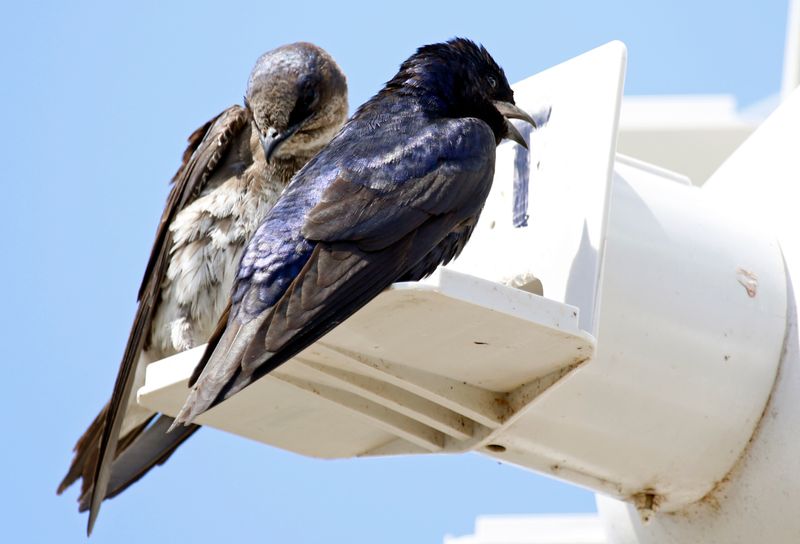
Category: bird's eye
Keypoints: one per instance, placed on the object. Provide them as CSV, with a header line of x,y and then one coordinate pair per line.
x,y
310,99
492,82
304,107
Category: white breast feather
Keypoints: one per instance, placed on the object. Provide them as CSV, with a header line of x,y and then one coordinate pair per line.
x,y
208,238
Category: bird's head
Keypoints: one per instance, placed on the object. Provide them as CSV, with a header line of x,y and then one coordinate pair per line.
x,y
459,78
297,95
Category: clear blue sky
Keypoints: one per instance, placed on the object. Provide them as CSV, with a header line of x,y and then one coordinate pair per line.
x,y
97,100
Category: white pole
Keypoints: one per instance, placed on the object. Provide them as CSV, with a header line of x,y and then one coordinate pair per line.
x,y
791,56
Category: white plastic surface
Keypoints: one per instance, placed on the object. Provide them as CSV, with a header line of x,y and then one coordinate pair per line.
x,y
757,501
568,167
791,58
426,367
687,351
690,134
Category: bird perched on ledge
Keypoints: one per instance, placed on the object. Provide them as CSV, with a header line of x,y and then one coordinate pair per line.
x,y
233,171
395,194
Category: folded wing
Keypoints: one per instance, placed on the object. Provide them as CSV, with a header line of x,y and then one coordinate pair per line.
x,y
207,147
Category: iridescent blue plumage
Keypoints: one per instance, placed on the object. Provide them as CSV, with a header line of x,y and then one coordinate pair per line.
x,y
396,193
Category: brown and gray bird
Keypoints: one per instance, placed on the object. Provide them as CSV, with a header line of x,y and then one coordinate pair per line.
x,y
234,169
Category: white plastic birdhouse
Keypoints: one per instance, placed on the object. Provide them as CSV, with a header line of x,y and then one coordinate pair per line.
x,y
609,324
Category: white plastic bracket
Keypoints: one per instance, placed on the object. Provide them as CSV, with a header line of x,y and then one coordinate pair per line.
x,y
426,367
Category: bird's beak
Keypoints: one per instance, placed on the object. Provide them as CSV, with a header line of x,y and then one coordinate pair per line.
x,y
273,139
511,111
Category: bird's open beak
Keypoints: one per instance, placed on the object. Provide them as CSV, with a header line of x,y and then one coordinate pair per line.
x,y
274,139
511,111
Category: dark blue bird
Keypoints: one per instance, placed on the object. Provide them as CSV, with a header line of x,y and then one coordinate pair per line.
x,y
395,194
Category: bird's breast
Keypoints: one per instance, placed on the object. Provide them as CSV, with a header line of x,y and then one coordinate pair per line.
x,y
208,237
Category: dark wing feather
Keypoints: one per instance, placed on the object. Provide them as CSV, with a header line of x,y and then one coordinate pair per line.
x,y
447,250
208,146
367,234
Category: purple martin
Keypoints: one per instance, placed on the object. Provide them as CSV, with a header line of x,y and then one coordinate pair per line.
x,y
395,194
233,171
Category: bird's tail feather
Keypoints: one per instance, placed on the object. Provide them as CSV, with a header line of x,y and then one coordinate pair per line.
x,y
87,451
212,378
152,446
